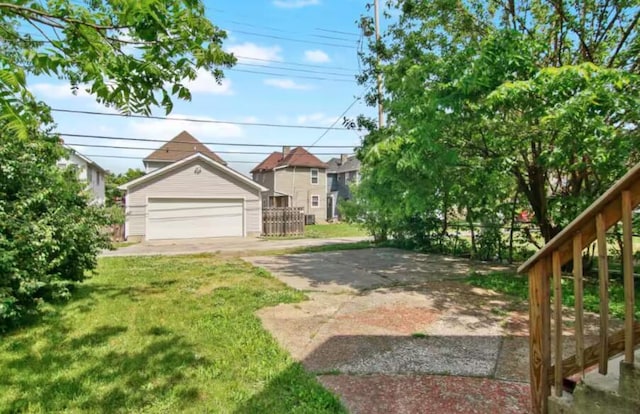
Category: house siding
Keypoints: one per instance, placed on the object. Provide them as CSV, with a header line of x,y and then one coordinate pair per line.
x,y
296,181
184,183
151,166
87,173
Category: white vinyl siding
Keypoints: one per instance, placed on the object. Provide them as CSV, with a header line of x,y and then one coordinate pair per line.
x,y
195,179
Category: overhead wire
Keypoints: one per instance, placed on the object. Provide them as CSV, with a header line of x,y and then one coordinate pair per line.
x,y
203,121
78,144
234,144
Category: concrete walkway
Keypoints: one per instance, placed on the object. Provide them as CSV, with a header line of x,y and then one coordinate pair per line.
x,y
398,332
235,245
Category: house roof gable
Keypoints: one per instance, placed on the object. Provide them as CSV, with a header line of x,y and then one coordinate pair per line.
x,y
182,146
168,168
297,157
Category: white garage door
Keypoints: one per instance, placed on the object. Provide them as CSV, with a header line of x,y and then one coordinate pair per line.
x,y
193,218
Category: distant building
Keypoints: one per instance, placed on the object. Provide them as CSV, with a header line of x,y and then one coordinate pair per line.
x,y
295,178
88,171
341,172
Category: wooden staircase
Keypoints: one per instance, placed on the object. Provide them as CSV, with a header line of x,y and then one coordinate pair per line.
x,y
544,270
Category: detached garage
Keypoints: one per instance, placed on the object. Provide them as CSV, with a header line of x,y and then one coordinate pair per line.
x,y
196,197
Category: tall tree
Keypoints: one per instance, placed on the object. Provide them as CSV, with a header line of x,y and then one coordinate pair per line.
x,y
535,96
131,55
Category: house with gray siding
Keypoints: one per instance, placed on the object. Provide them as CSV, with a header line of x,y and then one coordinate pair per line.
x,y
341,173
294,178
190,192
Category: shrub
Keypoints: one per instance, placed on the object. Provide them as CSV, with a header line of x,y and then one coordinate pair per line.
x,y
49,234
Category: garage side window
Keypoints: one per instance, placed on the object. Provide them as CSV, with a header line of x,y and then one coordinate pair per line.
x,y
315,201
314,176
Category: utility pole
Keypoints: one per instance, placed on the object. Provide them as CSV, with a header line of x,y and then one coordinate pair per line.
x,y
377,28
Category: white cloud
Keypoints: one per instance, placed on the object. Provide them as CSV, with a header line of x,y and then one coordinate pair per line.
x,y
316,56
315,118
57,91
295,4
161,129
253,51
206,83
287,84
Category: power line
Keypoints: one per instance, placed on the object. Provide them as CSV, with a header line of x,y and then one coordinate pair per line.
x,y
202,121
295,64
298,70
177,150
189,142
290,39
140,158
290,76
336,31
334,122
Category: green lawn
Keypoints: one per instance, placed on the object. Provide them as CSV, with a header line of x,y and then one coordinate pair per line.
x,y
160,334
518,286
327,231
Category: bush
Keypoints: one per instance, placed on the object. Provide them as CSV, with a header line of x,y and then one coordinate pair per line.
x,y
49,234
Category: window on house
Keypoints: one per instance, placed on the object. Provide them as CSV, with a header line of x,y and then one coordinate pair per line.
x,y
315,201
315,176
98,177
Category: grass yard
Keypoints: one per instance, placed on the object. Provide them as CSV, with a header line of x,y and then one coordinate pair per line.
x,y
518,286
160,334
327,231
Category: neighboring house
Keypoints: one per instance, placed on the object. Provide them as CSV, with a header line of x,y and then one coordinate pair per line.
x,y
295,178
341,173
89,172
190,193
181,146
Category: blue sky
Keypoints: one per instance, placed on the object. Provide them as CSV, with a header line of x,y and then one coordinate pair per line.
x,y
257,30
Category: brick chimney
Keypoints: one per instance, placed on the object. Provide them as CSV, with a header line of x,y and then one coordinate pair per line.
x,y
343,158
285,151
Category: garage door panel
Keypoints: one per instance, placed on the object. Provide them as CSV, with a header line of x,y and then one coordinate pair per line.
x,y
183,218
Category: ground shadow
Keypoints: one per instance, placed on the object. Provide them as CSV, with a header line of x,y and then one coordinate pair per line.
x,y
366,269
37,368
383,374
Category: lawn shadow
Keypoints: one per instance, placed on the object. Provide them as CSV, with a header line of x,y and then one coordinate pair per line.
x,y
53,372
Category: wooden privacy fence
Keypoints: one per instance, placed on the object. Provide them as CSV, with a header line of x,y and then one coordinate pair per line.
x,y
545,272
283,221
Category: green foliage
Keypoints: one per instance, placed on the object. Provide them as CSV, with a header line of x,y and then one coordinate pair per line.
x,y
112,181
160,335
492,109
518,286
131,55
49,235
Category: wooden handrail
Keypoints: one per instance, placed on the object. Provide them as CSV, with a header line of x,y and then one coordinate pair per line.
x,y
614,205
585,222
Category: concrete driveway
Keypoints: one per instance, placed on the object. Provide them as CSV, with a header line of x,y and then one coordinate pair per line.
x,y
393,331
235,245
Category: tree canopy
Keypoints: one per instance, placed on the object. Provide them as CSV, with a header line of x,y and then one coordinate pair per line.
x,y
494,101
132,55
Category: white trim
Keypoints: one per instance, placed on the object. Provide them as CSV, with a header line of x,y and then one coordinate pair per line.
x,y
146,208
126,216
311,170
184,161
311,201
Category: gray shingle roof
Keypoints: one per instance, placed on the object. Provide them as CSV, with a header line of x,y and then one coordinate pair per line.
x,y
351,164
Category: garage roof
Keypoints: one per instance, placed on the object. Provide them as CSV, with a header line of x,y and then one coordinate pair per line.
x,y
184,161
